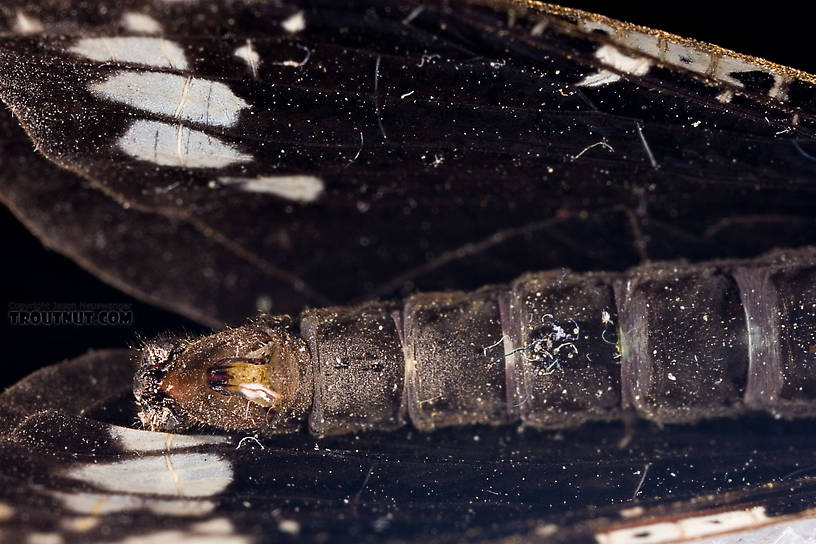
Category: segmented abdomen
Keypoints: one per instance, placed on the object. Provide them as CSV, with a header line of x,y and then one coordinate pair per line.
x,y
671,342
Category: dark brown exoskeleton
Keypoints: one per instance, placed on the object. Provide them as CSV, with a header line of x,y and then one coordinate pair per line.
x,y
671,342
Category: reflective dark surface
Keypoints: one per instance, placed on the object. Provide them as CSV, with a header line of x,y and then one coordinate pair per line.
x,y
466,173
493,166
73,468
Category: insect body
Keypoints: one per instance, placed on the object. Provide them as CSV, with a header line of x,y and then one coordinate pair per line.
x,y
285,154
695,341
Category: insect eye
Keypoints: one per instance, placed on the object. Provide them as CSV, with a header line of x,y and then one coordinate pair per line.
x,y
159,355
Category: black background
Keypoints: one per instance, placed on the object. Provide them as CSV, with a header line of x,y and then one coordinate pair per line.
x,y
32,273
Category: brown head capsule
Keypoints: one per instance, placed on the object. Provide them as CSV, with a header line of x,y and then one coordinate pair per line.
x,y
258,377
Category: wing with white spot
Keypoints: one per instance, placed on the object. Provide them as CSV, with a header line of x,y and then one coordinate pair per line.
x,y
77,471
341,152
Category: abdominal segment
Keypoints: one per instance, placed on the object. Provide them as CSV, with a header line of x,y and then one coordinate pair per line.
x,y
668,342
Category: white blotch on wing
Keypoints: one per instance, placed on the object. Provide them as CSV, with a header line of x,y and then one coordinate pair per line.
x,y
298,188
609,55
186,537
726,96
183,97
289,526
780,87
212,526
172,474
6,511
248,54
798,531
79,524
139,22
689,528
94,504
295,23
176,145
150,441
26,24
718,65
36,537
634,512
156,52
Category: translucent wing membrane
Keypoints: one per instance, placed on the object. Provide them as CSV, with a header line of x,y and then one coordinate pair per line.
x,y
427,143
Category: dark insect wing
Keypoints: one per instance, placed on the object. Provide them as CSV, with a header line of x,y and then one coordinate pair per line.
x,y
318,153
487,141
75,477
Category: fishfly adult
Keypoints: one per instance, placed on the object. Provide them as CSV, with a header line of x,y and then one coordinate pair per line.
x,y
691,342
525,230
